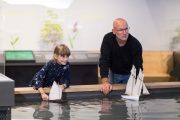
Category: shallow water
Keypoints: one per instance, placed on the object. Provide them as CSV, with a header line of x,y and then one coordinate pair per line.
x,y
148,108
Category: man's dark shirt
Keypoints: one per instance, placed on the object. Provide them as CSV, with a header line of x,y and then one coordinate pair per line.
x,y
119,59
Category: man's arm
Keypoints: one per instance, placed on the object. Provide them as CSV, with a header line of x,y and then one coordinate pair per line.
x,y
106,87
104,57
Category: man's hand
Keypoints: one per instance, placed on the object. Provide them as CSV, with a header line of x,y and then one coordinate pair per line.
x,y
106,87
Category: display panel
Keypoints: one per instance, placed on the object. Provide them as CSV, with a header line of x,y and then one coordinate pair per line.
x,y
19,56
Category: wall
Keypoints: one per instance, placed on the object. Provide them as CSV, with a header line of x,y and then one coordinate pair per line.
x,y
153,22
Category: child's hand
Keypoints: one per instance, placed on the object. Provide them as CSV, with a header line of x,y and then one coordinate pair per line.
x,y
62,87
44,96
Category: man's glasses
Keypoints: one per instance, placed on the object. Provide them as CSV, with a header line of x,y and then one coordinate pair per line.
x,y
123,30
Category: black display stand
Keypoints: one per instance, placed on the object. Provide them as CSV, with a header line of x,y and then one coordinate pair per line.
x,y
84,68
5,113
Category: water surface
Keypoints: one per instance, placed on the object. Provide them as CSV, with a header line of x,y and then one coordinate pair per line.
x,y
166,107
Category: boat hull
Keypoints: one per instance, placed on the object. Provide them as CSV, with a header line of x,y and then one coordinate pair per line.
x,y
129,97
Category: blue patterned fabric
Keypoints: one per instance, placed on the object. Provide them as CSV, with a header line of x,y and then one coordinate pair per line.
x,y
50,72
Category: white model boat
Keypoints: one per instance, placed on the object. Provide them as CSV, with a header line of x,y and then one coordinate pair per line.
x,y
131,82
55,92
135,86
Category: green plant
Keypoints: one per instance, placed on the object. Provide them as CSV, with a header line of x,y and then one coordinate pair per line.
x,y
51,31
73,34
72,39
13,41
52,15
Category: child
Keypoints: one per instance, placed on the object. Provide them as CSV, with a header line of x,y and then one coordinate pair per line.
x,y
57,69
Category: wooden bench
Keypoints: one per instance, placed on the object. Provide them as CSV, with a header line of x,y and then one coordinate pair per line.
x,y
157,66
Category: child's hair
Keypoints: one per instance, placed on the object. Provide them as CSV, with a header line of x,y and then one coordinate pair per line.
x,y
61,50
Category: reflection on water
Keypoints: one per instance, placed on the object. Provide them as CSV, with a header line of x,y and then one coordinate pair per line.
x,y
167,108
43,111
133,109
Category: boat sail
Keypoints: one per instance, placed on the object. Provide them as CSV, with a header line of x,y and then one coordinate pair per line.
x,y
131,82
55,92
135,86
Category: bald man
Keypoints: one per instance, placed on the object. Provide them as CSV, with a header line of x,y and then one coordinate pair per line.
x,y
119,52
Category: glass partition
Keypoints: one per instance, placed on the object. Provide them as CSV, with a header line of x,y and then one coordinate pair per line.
x,y
2,63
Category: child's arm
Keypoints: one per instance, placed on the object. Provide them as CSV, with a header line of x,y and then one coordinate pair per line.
x,y
44,96
37,80
67,78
